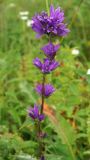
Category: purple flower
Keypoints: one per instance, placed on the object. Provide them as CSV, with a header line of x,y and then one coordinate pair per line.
x,y
37,63
50,24
50,50
47,66
46,91
34,113
42,158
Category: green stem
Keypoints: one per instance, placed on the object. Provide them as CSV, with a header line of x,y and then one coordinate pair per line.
x,y
43,90
51,1
39,131
47,6
75,14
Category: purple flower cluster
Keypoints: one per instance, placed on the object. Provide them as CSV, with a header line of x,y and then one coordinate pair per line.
x,y
47,66
48,89
50,50
34,113
52,24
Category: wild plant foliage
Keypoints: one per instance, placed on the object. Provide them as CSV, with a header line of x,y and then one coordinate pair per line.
x,y
65,121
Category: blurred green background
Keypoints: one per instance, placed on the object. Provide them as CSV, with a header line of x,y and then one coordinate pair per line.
x,y
68,109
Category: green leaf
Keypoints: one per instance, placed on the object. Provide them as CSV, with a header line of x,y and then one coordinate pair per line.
x,y
66,134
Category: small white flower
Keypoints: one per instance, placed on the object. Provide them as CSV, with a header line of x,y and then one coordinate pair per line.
x,y
29,23
23,13
75,51
24,18
88,71
11,5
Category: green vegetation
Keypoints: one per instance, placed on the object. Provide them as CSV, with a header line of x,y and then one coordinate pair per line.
x,y
68,109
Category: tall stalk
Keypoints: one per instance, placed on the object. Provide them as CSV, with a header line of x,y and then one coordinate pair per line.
x,y
47,6
41,144
49,24
43,90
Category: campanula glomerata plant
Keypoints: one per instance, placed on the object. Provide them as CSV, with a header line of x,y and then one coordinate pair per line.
x,y
52,26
